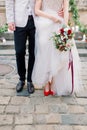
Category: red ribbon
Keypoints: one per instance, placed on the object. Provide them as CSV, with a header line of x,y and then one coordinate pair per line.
x,y
72,70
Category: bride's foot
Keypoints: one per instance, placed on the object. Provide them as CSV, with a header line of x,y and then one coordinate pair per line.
x,y
47,89
52,92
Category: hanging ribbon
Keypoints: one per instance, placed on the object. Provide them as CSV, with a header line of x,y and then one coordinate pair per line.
x,y
72,70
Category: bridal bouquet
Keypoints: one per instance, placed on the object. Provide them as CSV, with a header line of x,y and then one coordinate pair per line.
x,y
63,39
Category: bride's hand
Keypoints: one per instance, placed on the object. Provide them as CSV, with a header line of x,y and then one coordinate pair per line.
x,y
56,20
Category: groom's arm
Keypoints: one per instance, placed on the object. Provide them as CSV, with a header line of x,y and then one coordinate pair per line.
x,y
10,14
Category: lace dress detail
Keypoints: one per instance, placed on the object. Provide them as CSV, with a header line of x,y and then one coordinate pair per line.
x,y
52,5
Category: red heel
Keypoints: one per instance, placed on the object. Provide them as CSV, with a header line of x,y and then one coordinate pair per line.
x,y
46,93
52,93
47,89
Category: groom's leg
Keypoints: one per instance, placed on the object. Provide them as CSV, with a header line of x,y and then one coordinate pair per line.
x,y
31,47
20,37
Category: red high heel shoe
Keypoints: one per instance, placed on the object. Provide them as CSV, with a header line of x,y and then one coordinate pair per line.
x,y
47,92
52,92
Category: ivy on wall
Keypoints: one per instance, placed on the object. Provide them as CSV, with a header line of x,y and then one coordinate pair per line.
x,y
75,16
74,11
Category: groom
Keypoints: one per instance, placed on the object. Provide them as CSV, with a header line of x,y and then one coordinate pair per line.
x,y
19,15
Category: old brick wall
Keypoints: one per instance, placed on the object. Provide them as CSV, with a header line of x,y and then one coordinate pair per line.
x,y
2,12
82,6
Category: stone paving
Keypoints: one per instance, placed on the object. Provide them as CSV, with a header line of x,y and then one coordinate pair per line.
x,y
36,112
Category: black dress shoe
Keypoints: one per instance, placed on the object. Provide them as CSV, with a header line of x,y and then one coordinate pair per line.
x,y
30,87
20,86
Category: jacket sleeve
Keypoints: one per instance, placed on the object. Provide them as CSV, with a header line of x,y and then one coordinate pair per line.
x,y
10,13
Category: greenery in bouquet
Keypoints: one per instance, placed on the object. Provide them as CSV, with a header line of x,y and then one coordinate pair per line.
x,y
63,39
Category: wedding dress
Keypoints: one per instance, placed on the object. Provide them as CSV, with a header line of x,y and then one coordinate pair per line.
x,y
50,63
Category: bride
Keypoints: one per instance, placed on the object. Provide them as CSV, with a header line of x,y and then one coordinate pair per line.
x,y
51,66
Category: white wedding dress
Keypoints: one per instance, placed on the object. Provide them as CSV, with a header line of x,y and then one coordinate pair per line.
x,y
50,63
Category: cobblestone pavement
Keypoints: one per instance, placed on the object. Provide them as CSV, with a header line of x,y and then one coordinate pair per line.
x,y
36,112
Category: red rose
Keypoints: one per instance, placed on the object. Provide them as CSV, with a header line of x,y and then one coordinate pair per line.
x,y
61,30
69,32
64,40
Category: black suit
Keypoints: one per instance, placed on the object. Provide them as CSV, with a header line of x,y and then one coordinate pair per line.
x,y
21,34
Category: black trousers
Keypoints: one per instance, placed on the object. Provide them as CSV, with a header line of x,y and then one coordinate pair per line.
x,y
21,34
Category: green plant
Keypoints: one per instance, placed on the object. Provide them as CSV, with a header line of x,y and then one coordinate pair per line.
x,y
75,16
3,28
83,29
74,11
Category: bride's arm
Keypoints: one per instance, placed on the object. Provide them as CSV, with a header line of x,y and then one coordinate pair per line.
x,y
39,12
66,13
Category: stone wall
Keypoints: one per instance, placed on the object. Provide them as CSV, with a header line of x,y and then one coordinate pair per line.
x,y
2,12
82,6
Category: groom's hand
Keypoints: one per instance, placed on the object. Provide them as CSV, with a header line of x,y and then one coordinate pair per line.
x,y
11,26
